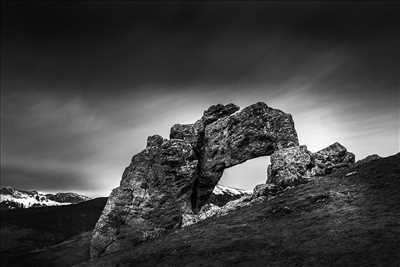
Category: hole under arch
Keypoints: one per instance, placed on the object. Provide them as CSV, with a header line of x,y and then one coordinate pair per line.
x,y
247,174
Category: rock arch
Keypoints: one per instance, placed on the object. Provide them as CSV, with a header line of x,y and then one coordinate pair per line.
x,y
223,139
177,176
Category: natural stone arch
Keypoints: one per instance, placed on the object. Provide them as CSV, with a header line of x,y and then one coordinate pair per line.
x,y
177,176
230,139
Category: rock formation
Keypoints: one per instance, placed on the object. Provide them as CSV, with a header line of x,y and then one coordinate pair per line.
x,y
168,184
154,191
330,158
255,131
174,177
294,165
289,166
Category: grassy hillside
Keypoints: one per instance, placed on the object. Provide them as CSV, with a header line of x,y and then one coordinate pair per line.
x,y
336,220
27,229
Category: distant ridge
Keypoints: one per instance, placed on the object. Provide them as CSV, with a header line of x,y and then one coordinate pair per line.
x,y
224,194
12,198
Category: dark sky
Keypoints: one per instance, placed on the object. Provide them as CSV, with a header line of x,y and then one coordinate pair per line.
x,y
84,83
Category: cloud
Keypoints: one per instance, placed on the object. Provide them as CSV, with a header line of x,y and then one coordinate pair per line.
x,y
80,95
44,179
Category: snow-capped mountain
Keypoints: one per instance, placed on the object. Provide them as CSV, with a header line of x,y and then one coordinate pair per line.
x,y
223,194
221,189
11,198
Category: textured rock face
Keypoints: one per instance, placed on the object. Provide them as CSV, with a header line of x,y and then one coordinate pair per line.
x,y
332,157
222,139
257,130
154,192
216,112
194,133
290,166
294,165
172,179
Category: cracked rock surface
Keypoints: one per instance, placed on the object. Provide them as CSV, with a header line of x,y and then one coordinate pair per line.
x,y
155,189
331,158
296,165
174,177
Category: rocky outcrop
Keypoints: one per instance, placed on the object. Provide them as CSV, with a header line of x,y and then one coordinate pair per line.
x,y
257,130
218,111
295,165
155,190
330,158
290,166
222,139
174,178
169,184
194,133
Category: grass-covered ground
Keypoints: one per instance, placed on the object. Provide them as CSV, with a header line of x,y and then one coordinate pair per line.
x,y
23,230
336,220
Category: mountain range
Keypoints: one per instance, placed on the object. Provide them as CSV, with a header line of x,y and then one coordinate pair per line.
x,y
12,198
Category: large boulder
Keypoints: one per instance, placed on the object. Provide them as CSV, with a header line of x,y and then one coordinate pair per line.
x,y
174,178
290,166
295,165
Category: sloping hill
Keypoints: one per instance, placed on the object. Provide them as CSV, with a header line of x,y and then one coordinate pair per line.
x,y
28,229
336,220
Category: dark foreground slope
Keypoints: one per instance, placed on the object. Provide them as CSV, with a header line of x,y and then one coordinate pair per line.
x,y
336,220
24,230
